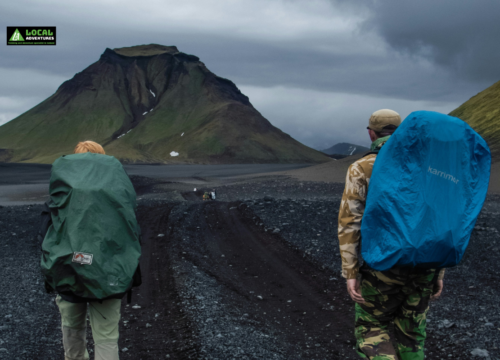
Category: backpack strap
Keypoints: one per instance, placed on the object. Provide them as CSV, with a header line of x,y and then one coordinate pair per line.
x,y
46,221
374,152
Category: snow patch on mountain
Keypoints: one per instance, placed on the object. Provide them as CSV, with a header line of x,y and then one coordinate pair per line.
x,y
124,134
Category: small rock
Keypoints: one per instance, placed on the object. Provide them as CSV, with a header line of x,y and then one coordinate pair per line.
x,y
124,349
148,325
480,353
260,297
447,324
136,307
161,235
275,231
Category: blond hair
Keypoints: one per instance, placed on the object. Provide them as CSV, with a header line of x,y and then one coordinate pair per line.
x,y
89,146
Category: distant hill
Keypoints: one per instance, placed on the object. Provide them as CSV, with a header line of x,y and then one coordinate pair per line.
x,y
150,104
345,149
482,113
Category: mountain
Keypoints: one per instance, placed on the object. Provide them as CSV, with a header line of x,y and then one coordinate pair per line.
x,y
346,149
150,104
482,113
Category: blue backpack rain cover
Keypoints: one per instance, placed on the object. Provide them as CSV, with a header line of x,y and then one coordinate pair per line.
x,y
428,185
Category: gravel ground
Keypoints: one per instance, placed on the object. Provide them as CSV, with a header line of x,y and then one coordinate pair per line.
x,y
200,316
280,187
29,322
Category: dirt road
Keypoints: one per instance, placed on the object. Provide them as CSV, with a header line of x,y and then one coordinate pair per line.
x,y
263,280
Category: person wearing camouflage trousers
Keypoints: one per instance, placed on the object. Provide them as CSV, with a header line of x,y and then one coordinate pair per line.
x,y
400,295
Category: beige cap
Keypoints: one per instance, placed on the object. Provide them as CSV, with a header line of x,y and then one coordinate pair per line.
x,y
382,118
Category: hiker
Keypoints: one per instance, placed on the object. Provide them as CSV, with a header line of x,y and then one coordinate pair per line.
x,y
399,295
206,196
89,223
213,194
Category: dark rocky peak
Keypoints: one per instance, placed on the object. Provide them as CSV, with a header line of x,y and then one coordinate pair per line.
x,y
145,53
151,50
143,73
145,50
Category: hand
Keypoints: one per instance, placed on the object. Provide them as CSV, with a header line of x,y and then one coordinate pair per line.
x,y
438,289
353,290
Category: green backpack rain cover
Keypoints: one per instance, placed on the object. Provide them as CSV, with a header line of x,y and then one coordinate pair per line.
x,y
92,248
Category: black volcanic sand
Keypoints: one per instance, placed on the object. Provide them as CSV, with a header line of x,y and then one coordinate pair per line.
x,y
24,173
254,275
13,173
25,184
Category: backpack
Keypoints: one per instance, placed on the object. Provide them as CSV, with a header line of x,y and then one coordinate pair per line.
x,y
91,248
428,185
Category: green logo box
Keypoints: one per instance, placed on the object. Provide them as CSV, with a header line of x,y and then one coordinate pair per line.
x,y
31,35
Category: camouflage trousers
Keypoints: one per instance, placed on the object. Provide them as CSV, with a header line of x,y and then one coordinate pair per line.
x,y
399,296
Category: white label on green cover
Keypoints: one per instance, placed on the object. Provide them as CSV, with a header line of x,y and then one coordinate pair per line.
x,y
82,258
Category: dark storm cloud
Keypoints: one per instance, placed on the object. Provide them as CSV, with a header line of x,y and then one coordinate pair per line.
x,y
316,63
460,35
258,64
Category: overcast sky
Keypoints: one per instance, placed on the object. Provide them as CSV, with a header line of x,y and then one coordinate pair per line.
x,y
316,69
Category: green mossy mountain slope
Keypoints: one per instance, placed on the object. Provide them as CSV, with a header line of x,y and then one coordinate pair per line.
x,y
143,103
482,113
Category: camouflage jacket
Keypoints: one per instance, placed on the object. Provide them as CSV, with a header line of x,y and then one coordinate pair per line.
x,y
351,212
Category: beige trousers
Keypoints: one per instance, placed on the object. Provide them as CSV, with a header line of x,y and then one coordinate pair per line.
x,y
104,319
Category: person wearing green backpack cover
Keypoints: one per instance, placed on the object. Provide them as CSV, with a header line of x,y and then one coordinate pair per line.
x,y
91,247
